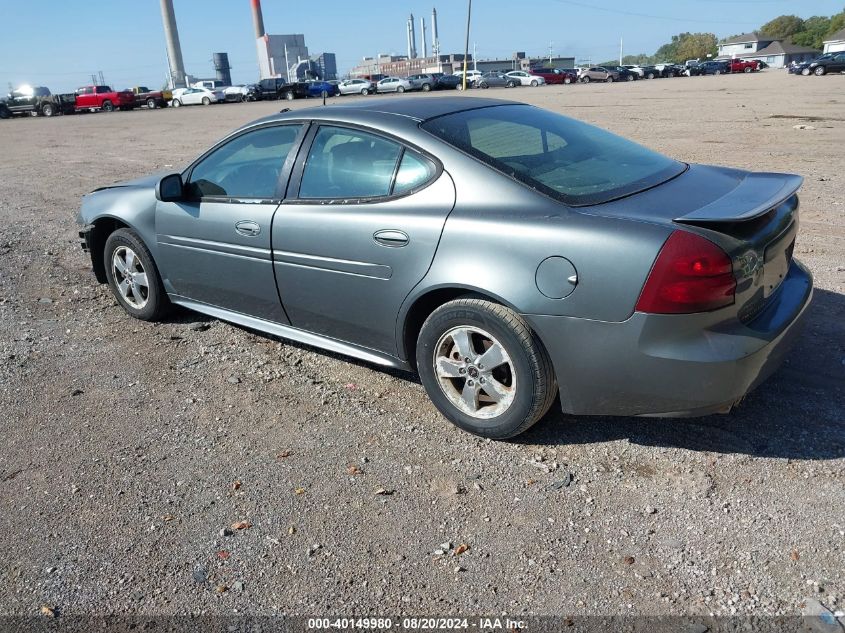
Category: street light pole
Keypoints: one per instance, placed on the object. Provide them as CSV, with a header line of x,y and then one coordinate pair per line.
x,y
466,45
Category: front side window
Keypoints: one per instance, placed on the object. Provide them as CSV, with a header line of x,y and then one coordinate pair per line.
x,y
576,163
248,166
352,164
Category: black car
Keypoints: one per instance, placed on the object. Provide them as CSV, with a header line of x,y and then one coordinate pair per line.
x,y
713,67
829,63
650,72
446,82
626,74
281,89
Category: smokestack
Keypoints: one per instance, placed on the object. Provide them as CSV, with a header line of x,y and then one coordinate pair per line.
x,y
424,46
410,46
257,19
413,35
435,42
222,68
174,49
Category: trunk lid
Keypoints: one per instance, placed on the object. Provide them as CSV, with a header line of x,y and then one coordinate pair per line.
x,y
753,217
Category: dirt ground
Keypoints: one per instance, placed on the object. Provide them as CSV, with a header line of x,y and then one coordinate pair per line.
x,y
129,447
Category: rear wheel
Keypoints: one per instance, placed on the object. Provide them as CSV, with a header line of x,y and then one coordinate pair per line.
x,y
151,104
747,69
717,72
400,89
534,83
585,79
108,106
630,78
426,87
133,277
206,101
484,369
365,92
650,76
289,95
567,80
47,109
819,71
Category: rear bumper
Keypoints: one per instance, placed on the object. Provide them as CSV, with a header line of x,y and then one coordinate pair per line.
x,y
672,365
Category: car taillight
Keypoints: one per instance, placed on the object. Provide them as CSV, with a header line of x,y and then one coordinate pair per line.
x,y
691,274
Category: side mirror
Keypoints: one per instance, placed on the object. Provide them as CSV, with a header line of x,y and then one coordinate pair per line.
x,y
170,188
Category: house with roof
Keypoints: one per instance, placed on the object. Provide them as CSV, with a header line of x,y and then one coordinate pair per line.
x,y
835,43
776,52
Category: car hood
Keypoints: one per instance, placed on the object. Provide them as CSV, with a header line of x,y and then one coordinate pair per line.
x,y
137,183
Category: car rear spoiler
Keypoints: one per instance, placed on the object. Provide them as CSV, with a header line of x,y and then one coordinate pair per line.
x,y
754,195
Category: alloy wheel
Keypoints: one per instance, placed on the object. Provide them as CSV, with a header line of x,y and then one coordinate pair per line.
x,y
475,372
130,277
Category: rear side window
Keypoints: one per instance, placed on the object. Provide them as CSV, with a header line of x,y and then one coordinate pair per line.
x,y
576,163
352,164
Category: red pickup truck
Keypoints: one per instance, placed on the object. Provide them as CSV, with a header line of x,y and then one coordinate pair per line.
x,y
104,98
743,66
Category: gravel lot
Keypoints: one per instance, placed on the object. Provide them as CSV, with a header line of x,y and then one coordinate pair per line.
x,y
130,449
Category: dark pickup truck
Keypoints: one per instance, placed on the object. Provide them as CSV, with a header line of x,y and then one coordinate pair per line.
x,y
29,100
281,89
150,98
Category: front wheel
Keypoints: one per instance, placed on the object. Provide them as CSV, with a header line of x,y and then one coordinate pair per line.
x,y
426,87
630,78
819,71
289,95
567,80
609,79
484,369
177,103
747,69
365,92
650,76
585,79
400,89
133,277
534,83
47,109
206,101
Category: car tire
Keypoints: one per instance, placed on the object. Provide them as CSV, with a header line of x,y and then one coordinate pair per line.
x,y
534,83
717,72
567,80
609,79
124,247
650,76
47,109
585,79
426,87
108,106
365,92
524,379
289,96
400,89
747,69
630,78
151,104
206,101
513,84
819,71
177,103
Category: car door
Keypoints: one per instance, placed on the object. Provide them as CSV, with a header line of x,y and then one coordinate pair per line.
x,y
214,246
85,97
358,231
837,64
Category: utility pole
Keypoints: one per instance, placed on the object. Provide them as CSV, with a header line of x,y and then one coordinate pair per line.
x,y
287,64
474,56
551,44
620,50
466,45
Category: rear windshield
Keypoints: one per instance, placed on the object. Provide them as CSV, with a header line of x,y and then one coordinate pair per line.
x,y
576,163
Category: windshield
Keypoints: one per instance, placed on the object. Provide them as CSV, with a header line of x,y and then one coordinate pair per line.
x,y
576,163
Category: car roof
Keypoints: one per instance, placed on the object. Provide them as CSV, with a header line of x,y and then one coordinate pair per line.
x,y
416,108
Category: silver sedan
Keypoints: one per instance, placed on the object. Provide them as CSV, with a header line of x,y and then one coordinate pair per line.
x,y
511,256
355,87
393,84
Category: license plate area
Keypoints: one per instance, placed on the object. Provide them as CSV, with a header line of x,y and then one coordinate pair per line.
x,y
776,260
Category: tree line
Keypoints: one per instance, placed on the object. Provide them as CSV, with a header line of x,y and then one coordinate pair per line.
x,y
811,32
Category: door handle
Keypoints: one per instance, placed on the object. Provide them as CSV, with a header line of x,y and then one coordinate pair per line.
x,y
248,228
391,238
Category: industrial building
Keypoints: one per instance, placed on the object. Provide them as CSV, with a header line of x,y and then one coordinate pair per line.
x,y
402,66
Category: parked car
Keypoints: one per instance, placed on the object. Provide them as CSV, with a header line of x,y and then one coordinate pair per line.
x,y
635,69
282,89
472,77
38,100
649,71
496,80
526,79
319,88
829,63
624,74
448,82
355,87
424,82
799,68
554,75
151,98
104,98
630,283
599,73
713,67
237,94
196,96
393,84
743,66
